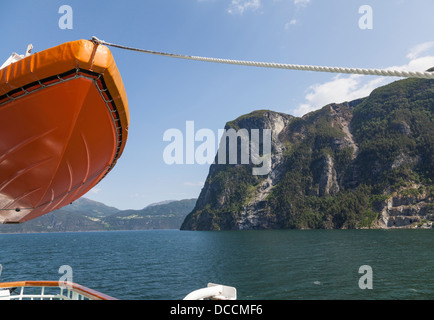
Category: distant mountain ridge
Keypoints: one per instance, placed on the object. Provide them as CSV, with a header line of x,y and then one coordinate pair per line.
x,y
159,203
91,207
89,215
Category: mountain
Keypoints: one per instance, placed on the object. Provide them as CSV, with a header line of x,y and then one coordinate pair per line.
x,y
161,202
156,216
91,208
89,215
368,163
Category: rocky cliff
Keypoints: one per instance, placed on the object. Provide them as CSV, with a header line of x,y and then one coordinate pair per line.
x,y
368,163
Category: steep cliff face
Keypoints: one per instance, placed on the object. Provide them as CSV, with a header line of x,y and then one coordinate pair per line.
x,y
410,208
368,163
232,196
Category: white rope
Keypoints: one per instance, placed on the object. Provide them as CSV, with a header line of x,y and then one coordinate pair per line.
x,y
375,72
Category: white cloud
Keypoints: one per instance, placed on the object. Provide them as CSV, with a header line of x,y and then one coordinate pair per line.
x,y
136,195
416,51
299,5
346,88
301,2
240,6
290,23
417,64
338,90
95,190
193,184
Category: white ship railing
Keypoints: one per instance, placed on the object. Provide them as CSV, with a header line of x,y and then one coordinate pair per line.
x,y
55,290
48,290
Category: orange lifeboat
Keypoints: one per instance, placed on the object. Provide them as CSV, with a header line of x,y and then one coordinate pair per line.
x,y
63,125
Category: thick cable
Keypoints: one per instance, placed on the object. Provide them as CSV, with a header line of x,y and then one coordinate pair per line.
x,y
374,72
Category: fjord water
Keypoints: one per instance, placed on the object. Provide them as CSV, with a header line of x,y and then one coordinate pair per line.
x,y
289,264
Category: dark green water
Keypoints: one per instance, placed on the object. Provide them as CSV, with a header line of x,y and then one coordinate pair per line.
x,y
317,264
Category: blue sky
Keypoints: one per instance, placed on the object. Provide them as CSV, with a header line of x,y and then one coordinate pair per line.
x,y
164,93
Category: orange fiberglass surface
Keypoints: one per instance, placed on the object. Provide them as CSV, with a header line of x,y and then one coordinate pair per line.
x,y
63,125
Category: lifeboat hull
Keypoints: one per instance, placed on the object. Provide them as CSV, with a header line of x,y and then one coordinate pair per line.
x,y
63,125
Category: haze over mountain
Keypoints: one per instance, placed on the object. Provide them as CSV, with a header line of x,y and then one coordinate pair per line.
x,y
89,215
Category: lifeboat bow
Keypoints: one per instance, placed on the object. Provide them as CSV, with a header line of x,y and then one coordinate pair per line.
x,y
63,125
